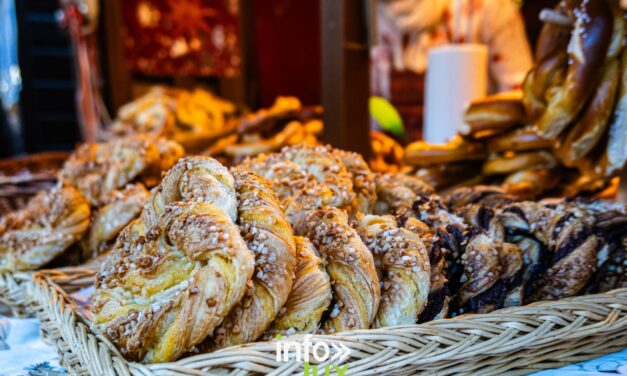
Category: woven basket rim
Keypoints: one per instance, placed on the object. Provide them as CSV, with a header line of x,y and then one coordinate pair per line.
x,y
499,339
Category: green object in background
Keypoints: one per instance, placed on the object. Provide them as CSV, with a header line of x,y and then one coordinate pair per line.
x,y
386,115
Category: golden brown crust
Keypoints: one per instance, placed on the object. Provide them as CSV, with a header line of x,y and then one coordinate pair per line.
x,y
586,132
403,264
421,153
397,192
118,209
50,223
350,266
520,139
305,178
269,235
498,112
310,296
509,164
363,180
587,51
177,270
98,169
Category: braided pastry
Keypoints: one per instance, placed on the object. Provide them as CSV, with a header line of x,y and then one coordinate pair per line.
x,y
305,178
397,192
268,234
310,296
403,265
98,169
177,270
421,153
49,224
587,50
616,150
118,209
509,164
584,135
495,113
363,180
546,78
567,234
350,266
438,299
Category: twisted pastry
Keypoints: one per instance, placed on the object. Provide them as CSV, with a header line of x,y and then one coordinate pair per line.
x,y
616,150
310,296
545,79
403,265
483,195
397,192
98,169
421,153
495,113
509,164
584,135
269,235
482,270
363,180
520,139
350,266
177,270
587,50
305,178
118,209
438,299
566,232
49,224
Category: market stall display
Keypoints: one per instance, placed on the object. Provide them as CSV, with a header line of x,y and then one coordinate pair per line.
x,y
200,238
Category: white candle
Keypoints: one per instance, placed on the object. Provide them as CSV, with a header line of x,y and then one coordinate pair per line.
x,y
456,74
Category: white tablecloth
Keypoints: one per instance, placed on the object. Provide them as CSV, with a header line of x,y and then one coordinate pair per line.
x,y
22,352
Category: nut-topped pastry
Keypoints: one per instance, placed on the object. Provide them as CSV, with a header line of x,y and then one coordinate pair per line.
x,y
50,223
177,271
310,296
269,235
403,264
350,266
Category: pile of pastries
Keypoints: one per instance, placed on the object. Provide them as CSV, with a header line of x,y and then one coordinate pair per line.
x,y
191,118
304,240
565,133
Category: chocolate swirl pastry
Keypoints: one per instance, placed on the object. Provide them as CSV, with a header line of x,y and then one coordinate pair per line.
x,y
567,234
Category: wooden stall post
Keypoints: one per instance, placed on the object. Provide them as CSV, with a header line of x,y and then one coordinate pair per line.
x,y
346,74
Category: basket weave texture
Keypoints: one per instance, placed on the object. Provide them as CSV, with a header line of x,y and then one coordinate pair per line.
x,y
12,292
514,340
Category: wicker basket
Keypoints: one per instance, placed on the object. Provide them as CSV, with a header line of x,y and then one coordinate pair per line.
x,y
513,340
21,178
12,292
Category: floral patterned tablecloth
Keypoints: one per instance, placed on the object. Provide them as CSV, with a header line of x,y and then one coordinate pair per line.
x,y
22,352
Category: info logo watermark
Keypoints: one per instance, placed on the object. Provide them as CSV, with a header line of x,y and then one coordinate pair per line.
x,y
319,351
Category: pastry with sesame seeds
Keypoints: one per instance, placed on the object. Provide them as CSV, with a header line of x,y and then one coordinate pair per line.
x,y
305,178
177,271
98,169
363,180
350,266
403,265
310,296
269,236
50,223
118,209
397,192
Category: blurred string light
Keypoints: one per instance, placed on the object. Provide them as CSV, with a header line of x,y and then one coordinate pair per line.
x,y
10,78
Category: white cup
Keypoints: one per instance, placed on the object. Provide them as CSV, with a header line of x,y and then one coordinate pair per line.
x,y
456,74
